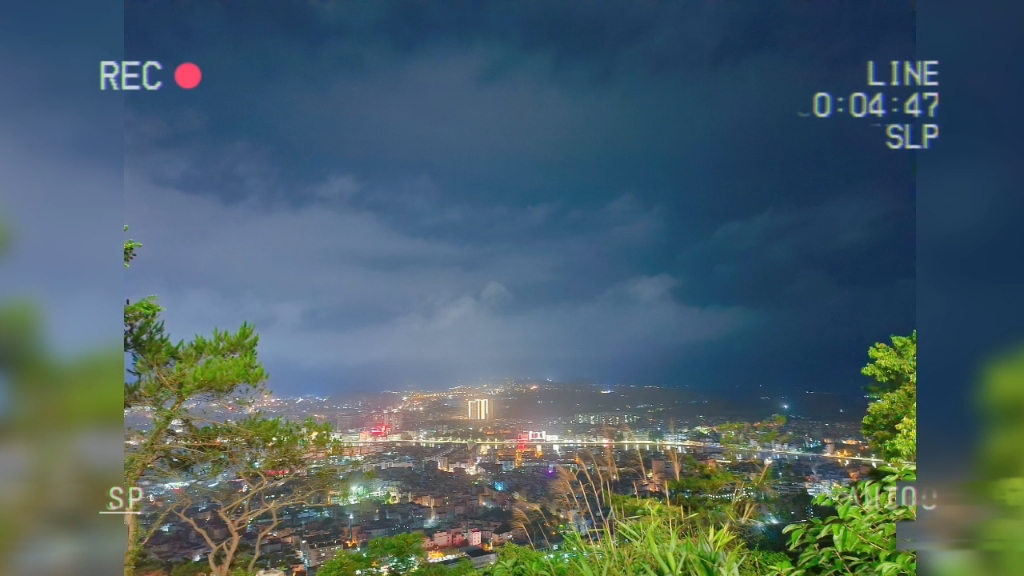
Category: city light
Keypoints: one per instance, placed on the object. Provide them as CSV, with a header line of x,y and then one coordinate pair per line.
x,y
451,457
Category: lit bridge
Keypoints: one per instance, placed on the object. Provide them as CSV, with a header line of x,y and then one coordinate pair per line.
x,y
636,444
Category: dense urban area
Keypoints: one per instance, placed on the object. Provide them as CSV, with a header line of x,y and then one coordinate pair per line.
x,y
474,468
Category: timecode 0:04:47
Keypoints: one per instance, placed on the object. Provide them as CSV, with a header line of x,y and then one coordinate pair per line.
x,y
860,105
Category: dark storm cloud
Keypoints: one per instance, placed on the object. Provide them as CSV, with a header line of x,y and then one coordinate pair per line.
x,y
800,252
428,191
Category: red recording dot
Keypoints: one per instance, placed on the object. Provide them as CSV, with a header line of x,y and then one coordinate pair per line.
x,y
188,75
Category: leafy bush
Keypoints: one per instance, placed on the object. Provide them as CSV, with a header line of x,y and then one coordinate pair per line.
x,y
890,425
860,538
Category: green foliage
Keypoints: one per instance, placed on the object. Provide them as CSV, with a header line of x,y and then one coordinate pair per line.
x,y
904,445
167,374
211,368
143,331
628,506
516,560
702,482
344,564
166,379
660,541
762,562
129,249
252,447
461,568
401,553
890,425
892,367
861,538
665,546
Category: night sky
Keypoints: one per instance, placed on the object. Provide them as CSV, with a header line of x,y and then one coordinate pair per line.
x,y
417,193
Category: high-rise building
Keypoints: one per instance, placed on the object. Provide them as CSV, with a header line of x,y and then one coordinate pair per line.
x,y
479,409
392,420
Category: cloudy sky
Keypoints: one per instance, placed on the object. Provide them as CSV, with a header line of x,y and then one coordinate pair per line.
x,y
412,194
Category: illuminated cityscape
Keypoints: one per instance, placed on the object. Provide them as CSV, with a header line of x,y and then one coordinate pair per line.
x,y
437,463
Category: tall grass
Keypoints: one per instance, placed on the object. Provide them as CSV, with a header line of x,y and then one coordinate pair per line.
x,y
659,540
633,536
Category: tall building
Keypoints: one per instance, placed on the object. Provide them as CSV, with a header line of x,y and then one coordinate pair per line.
x,y
391,420
479,409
